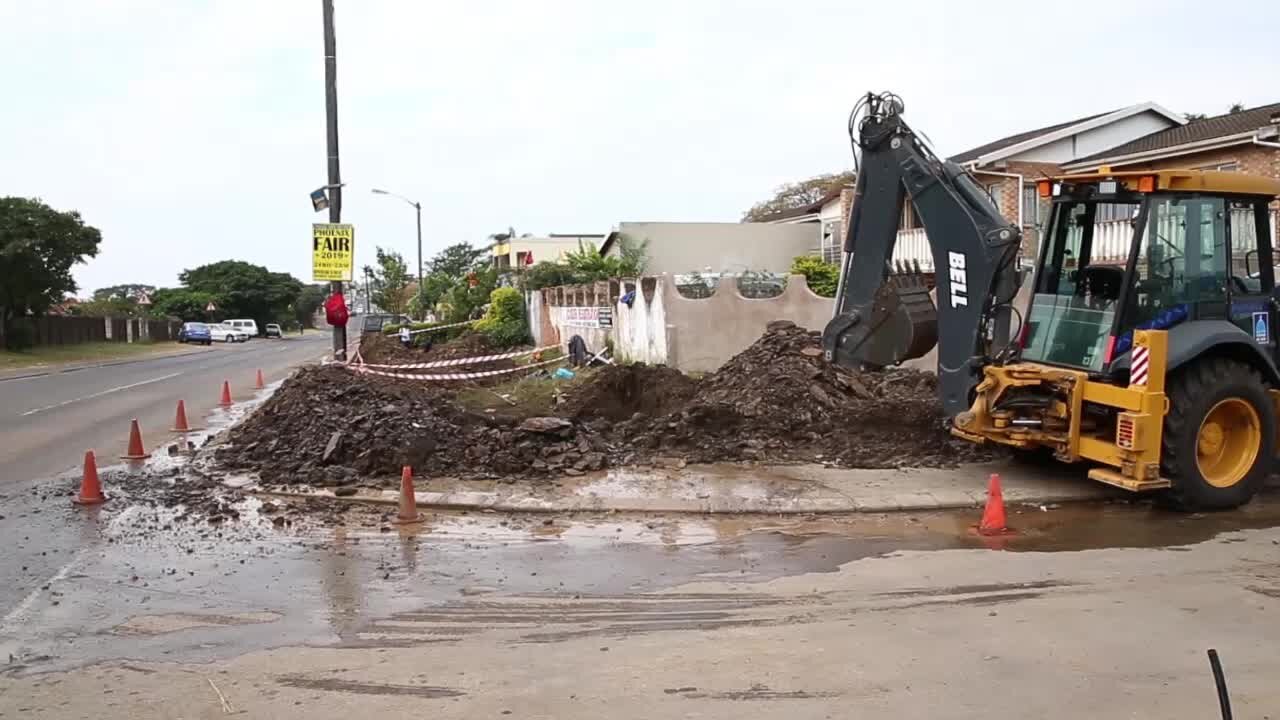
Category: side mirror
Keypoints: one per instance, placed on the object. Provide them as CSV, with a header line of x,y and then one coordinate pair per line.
x,y
1250,263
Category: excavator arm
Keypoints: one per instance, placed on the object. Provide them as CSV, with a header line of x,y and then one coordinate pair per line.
x,y
882,318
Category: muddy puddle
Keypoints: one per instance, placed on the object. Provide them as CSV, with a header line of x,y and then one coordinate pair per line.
x,y
198,594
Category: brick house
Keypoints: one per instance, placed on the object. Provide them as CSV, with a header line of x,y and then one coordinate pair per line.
x,y
1247,141
1009,167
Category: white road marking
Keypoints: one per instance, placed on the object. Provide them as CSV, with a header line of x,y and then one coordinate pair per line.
x,y
19,612
100,393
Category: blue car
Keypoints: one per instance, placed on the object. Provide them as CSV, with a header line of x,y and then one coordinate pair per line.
x,y
195,332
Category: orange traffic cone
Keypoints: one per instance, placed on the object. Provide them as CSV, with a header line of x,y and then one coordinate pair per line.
x,y
408,503
180,420
226,394
135,452
993,521
90,488
260,385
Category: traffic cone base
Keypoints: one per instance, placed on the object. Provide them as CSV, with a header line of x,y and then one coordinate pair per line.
x,y
408,513
90,488
259,384
225,400
180,424
993,517
135,451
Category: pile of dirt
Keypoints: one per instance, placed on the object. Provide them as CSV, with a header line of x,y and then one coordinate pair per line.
x,y
327,426
380,349
780,400
618,392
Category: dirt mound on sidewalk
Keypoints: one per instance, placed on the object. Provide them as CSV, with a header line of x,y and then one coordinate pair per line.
x,y
329,426
617,392
382,349
780,400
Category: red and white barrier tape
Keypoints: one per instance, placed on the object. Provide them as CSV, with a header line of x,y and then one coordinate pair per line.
x,y
434,328
460,361
366,369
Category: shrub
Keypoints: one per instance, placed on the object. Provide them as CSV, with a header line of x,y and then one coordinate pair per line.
x,y
822,277
503,323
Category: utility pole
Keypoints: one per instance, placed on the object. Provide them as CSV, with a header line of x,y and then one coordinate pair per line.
x,y
417,206
331,142
422,311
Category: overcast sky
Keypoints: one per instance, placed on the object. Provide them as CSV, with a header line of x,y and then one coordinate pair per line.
x,y
192,131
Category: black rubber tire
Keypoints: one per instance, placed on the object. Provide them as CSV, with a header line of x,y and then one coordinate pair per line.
x,y
1193,391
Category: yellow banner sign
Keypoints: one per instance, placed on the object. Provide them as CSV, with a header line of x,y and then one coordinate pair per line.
x,y
333,251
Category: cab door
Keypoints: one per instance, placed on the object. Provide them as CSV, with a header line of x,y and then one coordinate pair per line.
x,y
1253,292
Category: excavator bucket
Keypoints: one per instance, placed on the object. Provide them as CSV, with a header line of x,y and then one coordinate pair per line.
x,y
900,323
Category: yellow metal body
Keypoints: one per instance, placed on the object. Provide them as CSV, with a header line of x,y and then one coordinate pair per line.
x,y
1210,181
1129,447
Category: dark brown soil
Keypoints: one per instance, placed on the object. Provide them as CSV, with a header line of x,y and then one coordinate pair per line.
x,y
380,349
617,392
779,400
328,426
776,401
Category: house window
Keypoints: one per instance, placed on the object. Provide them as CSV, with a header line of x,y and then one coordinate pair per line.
x,y
832,245
1231,166
993,192
910,219
1030,205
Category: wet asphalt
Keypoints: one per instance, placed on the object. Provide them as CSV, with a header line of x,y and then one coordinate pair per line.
x,y
115,587
48,420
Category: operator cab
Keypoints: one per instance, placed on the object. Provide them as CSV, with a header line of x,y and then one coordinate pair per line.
x,y
1153,250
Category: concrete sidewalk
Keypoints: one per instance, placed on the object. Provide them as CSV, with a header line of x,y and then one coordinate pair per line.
x,y
785,489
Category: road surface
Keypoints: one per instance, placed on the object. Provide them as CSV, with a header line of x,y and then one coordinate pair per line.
x,y
621,617
48,421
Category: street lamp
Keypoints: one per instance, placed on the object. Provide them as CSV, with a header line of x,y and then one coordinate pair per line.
x,y
417,207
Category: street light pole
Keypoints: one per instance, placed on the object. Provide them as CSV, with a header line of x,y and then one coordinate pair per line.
x,y
417,206
331,142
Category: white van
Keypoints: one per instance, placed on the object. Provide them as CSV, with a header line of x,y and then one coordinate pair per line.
x,y
247,326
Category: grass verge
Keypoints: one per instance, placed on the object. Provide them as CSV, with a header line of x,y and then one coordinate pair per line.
x,y
48,355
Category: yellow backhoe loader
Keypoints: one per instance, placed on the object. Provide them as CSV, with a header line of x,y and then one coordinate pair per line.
x,y
1150,353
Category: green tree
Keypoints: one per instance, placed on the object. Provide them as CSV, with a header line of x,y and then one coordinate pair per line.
x,y
244,290
38,248
309,299
822,277
588,265
127,291
547,274
1237,107
504,320
457,260
107,307
465,300
184,304
390,280
798,194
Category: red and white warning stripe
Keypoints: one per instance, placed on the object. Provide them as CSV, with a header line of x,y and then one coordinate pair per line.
x,y
1140,366
461,361
434,328
433,377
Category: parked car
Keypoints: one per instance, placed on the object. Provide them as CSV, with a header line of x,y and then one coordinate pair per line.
x,y
195,332
273,330
373,323
222,332
248,326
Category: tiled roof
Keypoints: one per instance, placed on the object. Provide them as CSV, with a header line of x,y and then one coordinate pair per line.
x,y
1005,142
1194,131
